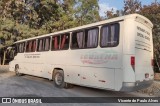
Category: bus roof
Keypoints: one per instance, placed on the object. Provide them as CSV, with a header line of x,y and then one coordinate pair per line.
x,y
90,25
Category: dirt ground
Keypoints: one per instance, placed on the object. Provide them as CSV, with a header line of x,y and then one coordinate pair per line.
x,y
153,90
4,68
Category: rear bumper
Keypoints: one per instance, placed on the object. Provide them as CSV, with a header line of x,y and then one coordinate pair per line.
x,y
134,86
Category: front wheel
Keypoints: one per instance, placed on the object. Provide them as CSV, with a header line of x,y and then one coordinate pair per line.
x,y
17,70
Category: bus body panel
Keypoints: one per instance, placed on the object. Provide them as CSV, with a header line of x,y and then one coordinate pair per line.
x,y
143,52
138,53
118,79
97,77
128,49
90,67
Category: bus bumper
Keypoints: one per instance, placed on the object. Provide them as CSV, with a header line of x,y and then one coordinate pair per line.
x,y
11,66
134,86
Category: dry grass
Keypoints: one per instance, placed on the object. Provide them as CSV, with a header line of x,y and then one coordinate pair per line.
x,y
153,90
4,68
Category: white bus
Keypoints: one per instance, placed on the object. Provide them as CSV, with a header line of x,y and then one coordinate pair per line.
x,y
114,54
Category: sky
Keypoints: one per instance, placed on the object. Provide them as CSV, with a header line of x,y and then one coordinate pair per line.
x,y
116,5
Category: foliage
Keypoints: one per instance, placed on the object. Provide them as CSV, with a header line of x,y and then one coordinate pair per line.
x,y
152,12
21,19
132,6
86,11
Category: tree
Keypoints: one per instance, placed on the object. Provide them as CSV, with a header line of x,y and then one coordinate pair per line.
x,y
132,6
21,19
152,12
113,13
86,11
64,19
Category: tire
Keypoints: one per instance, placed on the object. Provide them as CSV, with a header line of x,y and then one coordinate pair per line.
x,y
17,70
59,79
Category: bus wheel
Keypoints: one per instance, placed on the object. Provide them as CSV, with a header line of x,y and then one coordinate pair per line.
x,y
59,79
17,70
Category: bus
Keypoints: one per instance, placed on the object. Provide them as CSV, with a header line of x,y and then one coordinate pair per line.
x,y
114,54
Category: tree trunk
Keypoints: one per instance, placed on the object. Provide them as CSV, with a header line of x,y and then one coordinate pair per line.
x,y
81,21
4,58
0,60
157,63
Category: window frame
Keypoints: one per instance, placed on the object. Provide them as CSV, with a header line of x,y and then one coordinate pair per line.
x,y
110,24
84,32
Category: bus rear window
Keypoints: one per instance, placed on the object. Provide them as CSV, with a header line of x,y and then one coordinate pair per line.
x,y
109,35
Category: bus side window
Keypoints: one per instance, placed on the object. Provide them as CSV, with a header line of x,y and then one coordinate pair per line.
x,y
20,47
47,44
110,35
105,36
114,34
34,46
55,42
91,38
27,46
43,44
60,42
31,46
17,48
77,40
64,42
40,44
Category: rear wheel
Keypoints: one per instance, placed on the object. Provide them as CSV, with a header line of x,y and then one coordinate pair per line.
x,y
59,79
17,70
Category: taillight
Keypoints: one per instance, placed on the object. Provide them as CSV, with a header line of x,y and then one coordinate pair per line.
x,y
152,62
132,60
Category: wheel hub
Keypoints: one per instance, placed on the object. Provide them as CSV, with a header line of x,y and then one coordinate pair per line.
x,y
58,79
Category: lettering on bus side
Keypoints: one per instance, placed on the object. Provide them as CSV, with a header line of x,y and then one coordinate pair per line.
x,y
143,33
98,57
32,55
143,30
